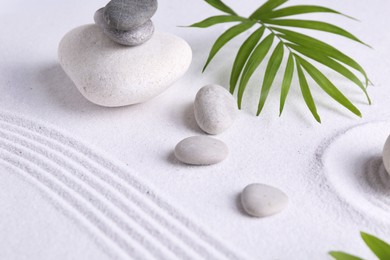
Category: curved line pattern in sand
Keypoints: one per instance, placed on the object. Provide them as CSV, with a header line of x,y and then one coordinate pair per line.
x,y
110,194
101,209
54,189
105,178
106,246
379,184
92,170
353,165
177,236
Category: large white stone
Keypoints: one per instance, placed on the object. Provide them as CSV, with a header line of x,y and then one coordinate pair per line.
x,y
112,75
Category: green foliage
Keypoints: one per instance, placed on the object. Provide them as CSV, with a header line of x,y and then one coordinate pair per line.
x,y
343,256
380,248
271,22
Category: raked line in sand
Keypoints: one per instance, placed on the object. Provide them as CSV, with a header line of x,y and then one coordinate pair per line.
x,y
117,208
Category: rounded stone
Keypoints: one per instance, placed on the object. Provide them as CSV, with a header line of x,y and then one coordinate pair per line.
x,y
201,150
215,109
127,14
386,155
135,36
260,200
112,75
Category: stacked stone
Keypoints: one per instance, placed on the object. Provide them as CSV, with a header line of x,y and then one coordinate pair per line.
x,y
127,22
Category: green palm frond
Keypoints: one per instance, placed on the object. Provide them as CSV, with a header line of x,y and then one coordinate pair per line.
x,y
273,27
343,256
379,247
253,63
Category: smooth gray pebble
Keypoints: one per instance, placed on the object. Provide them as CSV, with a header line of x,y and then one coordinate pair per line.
x,y
261,200
127,14
201,150
133,37
215,109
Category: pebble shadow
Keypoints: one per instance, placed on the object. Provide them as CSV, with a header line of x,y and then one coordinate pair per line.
x,y
61,90
189,119
376,175
173,160
239,207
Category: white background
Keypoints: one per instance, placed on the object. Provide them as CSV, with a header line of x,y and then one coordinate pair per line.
x,y
282,152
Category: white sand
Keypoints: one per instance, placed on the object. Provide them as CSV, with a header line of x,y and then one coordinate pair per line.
x,y
354,166
105,199
284,152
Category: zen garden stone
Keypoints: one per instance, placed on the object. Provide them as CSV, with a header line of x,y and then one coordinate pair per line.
x,y
260,200
201,150
111,75
135,36
120,61
215,109
126,14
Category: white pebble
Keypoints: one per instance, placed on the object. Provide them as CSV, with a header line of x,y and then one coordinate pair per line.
x,y
201,150
386,155
215,109
260,200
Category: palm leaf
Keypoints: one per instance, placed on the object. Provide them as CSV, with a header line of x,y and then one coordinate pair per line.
x,y
343,256
243,55
320,46
379,247
266,7
226,37
270,73
254,49
315,25
220,6
254,61
300,9
306,93
217,20
328,86
314,55
288,75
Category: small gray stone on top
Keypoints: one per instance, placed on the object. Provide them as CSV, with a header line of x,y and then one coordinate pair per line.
x,y
201,150
127,14
133,37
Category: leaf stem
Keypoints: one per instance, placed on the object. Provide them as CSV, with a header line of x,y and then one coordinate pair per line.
x,y
271,31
